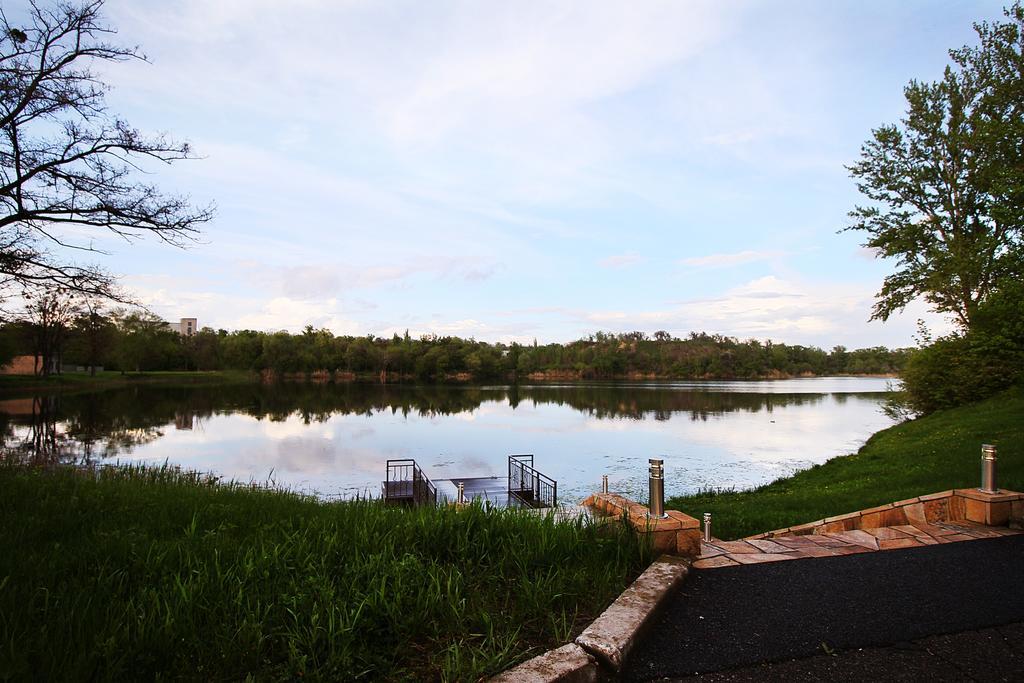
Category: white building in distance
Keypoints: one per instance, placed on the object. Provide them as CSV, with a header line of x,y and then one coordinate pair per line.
x,y
186,328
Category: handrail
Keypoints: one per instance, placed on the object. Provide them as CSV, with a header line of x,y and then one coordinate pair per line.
x,y
529,485
406,482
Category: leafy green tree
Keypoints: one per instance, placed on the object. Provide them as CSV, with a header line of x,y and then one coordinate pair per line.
x,y
91,336
204,350
363,356
433,364
970,366
145,343
242,349
279,352
947,183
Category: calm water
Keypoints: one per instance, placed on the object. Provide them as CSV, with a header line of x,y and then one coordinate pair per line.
x,y
334,440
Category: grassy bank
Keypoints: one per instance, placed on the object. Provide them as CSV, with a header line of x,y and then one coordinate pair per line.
x,y
110,378
144,573
934,453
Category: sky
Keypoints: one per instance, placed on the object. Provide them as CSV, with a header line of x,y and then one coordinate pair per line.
x,y
527,170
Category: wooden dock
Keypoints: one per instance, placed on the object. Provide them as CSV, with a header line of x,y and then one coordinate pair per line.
x,y
493,490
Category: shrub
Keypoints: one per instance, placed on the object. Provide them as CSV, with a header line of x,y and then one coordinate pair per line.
x,y
967,367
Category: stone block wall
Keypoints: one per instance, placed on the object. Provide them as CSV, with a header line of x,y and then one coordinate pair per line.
x,y
675,534
1005,508
21,365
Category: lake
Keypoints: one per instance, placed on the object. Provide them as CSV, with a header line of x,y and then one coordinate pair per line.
x,y
334,439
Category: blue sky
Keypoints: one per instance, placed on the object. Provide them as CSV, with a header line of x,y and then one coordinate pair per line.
x,y
512,171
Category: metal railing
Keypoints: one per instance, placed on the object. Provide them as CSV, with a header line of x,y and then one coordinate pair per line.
x,y
406,483
529,485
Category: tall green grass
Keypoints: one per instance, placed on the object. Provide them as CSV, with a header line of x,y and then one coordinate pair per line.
x,y
139,573
935,453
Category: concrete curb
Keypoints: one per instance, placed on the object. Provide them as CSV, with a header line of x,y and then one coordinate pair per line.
x,y
610,637
567,664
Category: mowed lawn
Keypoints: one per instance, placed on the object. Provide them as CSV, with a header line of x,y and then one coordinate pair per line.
x,y
935,453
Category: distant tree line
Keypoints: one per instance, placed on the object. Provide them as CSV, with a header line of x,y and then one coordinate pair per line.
x,y
62,334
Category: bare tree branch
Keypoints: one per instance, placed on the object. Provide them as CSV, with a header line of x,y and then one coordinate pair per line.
x,y
65,161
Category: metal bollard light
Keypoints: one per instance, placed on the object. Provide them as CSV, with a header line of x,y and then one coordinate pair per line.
x,y
707,527
604,483
657,488
988,469
462,493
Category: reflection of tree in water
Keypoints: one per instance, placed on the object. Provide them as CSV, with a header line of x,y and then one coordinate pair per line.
x,y
33,435
82,426
49,433
30,434
639,403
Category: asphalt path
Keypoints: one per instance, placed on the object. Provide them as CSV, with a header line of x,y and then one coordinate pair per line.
x,y
735,617
990,655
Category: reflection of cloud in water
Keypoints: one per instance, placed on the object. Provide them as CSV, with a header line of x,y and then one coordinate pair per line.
x,y
598,425
292,426
492,407
306,455
477,466
468,466
311,457
576,434
792,433
443,463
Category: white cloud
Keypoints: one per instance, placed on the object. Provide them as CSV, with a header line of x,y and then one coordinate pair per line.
x,y
431,147
731,259
313,281
792,311
736,137
501,55
282,313
175,298
505,89
465,328
621,260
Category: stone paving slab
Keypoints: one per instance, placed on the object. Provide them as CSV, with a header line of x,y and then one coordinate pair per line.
x,y
796,541
953,538
755,551
734,547
769,546
887,533
857,537
894,543
754,558
712,562
828,541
